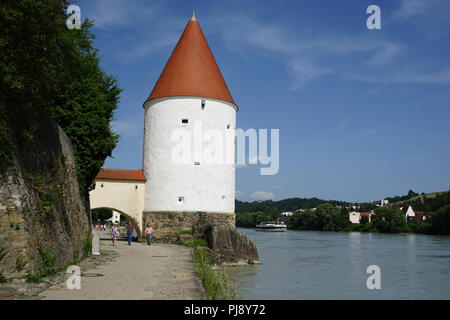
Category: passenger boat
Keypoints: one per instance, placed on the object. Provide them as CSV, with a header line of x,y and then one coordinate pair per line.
x,y
271,226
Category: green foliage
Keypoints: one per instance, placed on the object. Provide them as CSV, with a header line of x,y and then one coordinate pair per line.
x,y
366,207
6,147
326,218
251,219
87,249
440,221
51,71
274,208
45,204
410,195
101,214
85,106
364,220
186,232
47,267
216,282
388,219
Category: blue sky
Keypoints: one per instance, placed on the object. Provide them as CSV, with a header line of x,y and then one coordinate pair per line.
x,y
363,114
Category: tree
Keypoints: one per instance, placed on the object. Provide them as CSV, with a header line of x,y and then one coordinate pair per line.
x,y
31,67
388,219
85,106
47,71
364,220
440,221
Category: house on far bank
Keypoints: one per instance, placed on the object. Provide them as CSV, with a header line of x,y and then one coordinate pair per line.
x,y
355,217
409,214
380,203
287,214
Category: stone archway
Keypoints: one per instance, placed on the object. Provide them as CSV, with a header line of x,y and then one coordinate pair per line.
x,y
128,217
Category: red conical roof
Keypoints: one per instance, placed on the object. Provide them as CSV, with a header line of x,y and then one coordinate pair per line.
x,y
191,69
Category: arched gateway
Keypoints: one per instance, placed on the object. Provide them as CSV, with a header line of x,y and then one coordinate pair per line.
x,y
120,190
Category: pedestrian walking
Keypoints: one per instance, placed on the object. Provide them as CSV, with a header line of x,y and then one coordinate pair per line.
x,y
114,234
130,230
149,233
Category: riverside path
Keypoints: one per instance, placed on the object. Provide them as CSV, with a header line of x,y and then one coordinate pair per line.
x,y
159,271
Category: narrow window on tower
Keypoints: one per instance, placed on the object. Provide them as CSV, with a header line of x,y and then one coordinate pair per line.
x,y
228,126
197,163
184,120
180,200
203,104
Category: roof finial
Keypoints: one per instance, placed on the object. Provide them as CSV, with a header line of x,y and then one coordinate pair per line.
x,y
193,18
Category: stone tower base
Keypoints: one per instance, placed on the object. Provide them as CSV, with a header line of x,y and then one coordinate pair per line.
x,y
168,224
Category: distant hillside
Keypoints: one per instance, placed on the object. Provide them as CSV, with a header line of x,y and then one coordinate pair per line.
x,y
424,196
290,204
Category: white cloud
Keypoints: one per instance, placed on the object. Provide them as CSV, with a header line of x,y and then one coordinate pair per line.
x,y
303,56
410,8
239,194
112,14
262,195
406,76
304,71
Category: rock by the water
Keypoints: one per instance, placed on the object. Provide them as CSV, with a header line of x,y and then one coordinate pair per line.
x,y
230,245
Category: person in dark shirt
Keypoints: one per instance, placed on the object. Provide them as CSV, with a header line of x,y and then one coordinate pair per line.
x,y
130,230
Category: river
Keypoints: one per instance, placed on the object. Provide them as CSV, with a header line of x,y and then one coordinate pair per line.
x,y
333,265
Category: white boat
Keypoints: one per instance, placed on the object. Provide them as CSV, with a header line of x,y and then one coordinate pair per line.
x,y
271,226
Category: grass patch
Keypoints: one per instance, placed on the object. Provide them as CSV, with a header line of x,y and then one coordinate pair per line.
x,y
216,282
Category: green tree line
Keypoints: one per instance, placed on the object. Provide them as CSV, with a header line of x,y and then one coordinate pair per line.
x,y
329,217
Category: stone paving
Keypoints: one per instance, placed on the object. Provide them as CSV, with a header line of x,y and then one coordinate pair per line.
x,y
139,271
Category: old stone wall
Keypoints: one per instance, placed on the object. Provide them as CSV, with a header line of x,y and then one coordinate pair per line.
x,y
42,215
168,224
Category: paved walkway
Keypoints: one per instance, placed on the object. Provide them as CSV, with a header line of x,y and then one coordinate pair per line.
x,y
159,271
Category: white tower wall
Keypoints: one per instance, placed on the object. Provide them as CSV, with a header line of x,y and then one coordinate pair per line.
x,y
187,187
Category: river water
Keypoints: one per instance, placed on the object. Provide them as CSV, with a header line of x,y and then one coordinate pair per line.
x,y
333,265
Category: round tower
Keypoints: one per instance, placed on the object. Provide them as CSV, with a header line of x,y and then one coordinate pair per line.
x,y
190,97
